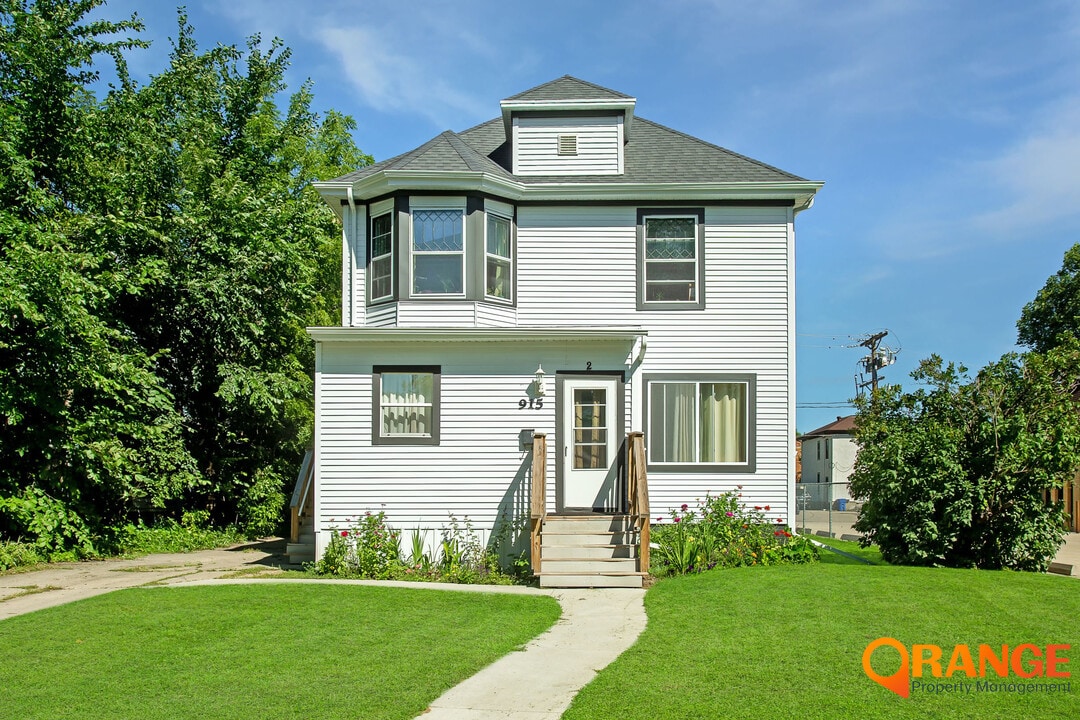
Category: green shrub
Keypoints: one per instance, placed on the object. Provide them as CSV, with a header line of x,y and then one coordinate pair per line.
x,y
56,531
168,536
16,554
722,531
372,549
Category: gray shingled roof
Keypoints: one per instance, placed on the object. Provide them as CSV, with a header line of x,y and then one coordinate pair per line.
x,y
568,88
653,153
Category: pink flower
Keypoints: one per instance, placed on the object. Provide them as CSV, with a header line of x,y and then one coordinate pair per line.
x,y
684,507
678,519
659,519
730,514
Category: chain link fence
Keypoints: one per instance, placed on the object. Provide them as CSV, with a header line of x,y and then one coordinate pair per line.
x,y
826,509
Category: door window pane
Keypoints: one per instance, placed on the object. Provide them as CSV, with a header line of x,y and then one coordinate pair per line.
x,y
590,429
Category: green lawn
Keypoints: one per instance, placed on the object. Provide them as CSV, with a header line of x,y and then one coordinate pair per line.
x,y
787,642
871,554
257,651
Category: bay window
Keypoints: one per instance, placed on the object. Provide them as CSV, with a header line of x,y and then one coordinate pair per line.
x,y
381,273
499,261
438,252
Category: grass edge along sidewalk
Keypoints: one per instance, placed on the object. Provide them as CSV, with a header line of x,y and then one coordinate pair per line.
x,y
257,650
788,641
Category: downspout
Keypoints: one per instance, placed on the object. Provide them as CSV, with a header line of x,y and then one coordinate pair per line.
x,y
347,302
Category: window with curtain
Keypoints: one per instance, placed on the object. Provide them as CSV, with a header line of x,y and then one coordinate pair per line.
x,y
499,260
700,422
406,405
381,285
438,252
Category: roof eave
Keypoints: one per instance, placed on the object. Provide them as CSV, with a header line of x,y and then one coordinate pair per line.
x,y
801,193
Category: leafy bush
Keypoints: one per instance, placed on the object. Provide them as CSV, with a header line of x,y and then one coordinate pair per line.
x,y
723,531
168,536
372,549
954,474
55,531
15,554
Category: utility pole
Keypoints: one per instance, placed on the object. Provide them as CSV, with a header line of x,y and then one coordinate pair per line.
x,y
879,357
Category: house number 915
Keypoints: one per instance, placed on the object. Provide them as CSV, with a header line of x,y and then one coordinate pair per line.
x,y
531,403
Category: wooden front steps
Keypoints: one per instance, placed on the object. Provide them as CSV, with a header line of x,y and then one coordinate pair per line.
x,y
588,551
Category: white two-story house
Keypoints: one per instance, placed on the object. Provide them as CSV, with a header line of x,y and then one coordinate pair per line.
x,y
520,297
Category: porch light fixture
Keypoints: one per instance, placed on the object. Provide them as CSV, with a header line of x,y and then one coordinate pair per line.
x,y
539,379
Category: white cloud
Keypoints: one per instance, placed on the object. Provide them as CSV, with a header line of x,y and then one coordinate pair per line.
x,y
1039,175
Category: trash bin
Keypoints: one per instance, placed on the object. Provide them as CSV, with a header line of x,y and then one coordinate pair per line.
x,y
841,504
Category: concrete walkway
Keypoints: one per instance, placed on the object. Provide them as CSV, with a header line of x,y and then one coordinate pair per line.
x,y
538,683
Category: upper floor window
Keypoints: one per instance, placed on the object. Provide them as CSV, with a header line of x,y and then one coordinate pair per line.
x,y
671,262
438,252
381,278
499,266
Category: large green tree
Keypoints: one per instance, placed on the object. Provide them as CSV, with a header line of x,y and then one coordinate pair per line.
x,y
1054,314
954,473
162,253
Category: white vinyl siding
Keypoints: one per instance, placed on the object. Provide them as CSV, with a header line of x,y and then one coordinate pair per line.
x,y
479,469
575,266
598,145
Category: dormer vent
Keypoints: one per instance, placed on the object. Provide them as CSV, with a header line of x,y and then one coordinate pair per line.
x,y
568,144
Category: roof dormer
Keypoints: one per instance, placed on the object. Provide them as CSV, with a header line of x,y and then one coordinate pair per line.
x,y
568,127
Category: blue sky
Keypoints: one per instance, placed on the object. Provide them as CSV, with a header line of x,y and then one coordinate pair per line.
x,y
948,134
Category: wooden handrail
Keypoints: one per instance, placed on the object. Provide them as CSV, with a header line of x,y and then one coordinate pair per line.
x,y
637,491
301,493
537,497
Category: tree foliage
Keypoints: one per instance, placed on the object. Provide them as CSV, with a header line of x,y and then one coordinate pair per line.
x,y
954,473
161,252
1054,315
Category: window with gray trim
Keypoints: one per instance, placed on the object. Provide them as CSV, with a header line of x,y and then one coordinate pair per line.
x,y
381,273
671,267
438,252
701,423
498,268
405,405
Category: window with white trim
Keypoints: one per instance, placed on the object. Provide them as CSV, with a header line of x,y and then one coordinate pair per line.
x,y
438,252
671,271
406,405
498,272
381,274
701,423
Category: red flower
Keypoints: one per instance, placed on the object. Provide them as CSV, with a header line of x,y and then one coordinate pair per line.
x,y
779,520
344,533
778,533
684,507
659,519
766,507
757,507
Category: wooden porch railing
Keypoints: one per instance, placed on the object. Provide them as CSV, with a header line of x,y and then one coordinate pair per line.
x,y
637,491
537,499
300,496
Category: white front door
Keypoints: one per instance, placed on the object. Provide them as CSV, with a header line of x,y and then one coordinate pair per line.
x,y
589,436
